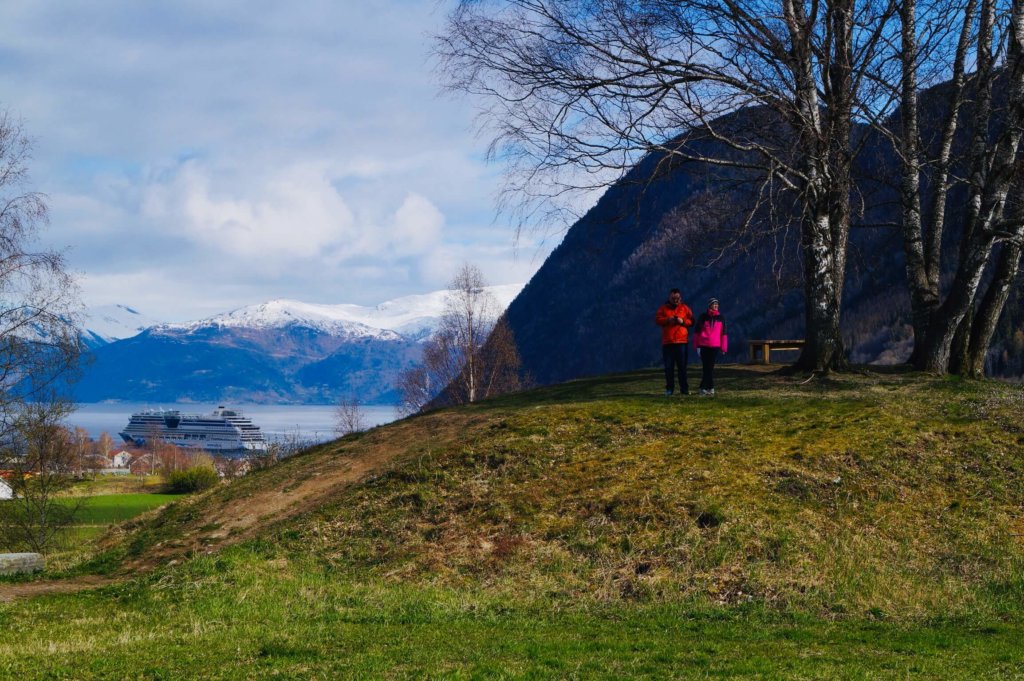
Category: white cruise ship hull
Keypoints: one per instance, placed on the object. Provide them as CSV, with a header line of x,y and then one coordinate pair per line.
x,y
225,431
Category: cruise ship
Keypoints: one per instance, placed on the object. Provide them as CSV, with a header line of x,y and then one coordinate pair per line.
x,y
225,431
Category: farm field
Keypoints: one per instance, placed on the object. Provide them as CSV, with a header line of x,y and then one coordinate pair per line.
x,y
106,509
102,510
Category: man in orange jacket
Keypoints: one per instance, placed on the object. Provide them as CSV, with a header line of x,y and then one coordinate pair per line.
x,y
674,318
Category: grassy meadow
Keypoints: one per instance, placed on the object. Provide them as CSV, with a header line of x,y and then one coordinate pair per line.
x,y
251,613
869,525
106,509
100,511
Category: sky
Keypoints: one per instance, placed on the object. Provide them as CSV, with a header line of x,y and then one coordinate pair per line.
x,y
201,156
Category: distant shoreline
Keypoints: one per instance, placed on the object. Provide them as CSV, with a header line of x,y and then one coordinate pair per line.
x,y
277,421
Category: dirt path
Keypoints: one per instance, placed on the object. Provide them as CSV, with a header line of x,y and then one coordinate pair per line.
x,y
247,507
8,592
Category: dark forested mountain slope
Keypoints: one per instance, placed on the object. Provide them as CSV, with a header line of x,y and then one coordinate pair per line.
x,y
590,308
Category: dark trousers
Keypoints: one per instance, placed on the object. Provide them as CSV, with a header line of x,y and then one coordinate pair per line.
x,y
676,357
707,358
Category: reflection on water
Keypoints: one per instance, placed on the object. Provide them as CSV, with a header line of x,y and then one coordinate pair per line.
x,y
277,421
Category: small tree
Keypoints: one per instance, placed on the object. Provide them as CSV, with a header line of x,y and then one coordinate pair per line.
x,y
232,466
471,356
288,444
266,458
80,443
348,416
42,462
173,459
414,390
104,444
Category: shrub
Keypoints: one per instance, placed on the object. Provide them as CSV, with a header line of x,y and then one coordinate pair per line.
x,y
192,480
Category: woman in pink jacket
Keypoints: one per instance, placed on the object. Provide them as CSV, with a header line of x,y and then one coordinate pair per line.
x,y
711,339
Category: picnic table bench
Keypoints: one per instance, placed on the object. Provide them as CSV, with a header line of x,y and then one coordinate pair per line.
x,y
766,347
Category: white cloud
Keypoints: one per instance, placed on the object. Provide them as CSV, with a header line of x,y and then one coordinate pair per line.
x,y
294,214
417,226
213,155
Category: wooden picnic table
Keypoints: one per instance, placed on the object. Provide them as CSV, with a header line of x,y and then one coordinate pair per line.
x,y
766,347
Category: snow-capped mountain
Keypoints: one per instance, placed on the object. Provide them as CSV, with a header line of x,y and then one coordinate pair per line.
x,y
108,323
412,316
277,351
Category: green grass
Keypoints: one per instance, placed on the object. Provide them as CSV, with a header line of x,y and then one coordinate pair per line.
x,y
95,515
252,613
106,509
862,526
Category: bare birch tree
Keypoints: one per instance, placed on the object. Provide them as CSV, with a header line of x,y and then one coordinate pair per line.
x,y
576,92
470,357
415,390
954,320
80,443
39,341
105,444
349,416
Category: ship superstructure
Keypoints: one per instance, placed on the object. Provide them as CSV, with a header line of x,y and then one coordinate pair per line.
x,y
225,431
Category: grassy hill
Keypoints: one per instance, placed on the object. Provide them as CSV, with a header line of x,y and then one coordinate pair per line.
x,y
863,526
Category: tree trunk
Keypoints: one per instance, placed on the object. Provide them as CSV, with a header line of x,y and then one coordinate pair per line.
x,y
839,98
824,350
936,348
825,222
961,341
923,297
989,311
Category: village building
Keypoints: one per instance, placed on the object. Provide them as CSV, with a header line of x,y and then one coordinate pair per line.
x,y
122,459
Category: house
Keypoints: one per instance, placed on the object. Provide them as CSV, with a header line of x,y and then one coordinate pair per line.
x,y
5,490
122,459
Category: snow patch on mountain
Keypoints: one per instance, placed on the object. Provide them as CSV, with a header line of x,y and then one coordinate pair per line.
x,y
414,316
108,323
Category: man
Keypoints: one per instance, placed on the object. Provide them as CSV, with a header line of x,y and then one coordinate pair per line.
x,y
674,318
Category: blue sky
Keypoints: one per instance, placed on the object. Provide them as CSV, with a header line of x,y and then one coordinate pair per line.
x,y
200,156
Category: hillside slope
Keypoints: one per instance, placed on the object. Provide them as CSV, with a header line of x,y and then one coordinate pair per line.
x,y
895,494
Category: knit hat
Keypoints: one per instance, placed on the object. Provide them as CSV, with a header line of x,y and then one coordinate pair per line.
x,y
713,301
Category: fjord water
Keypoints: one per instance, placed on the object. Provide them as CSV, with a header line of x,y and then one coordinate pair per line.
x,y
277,421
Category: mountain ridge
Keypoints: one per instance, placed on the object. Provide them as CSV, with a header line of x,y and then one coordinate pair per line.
x,y
277,351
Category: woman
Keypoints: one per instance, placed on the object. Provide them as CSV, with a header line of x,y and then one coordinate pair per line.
x,y
711,340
